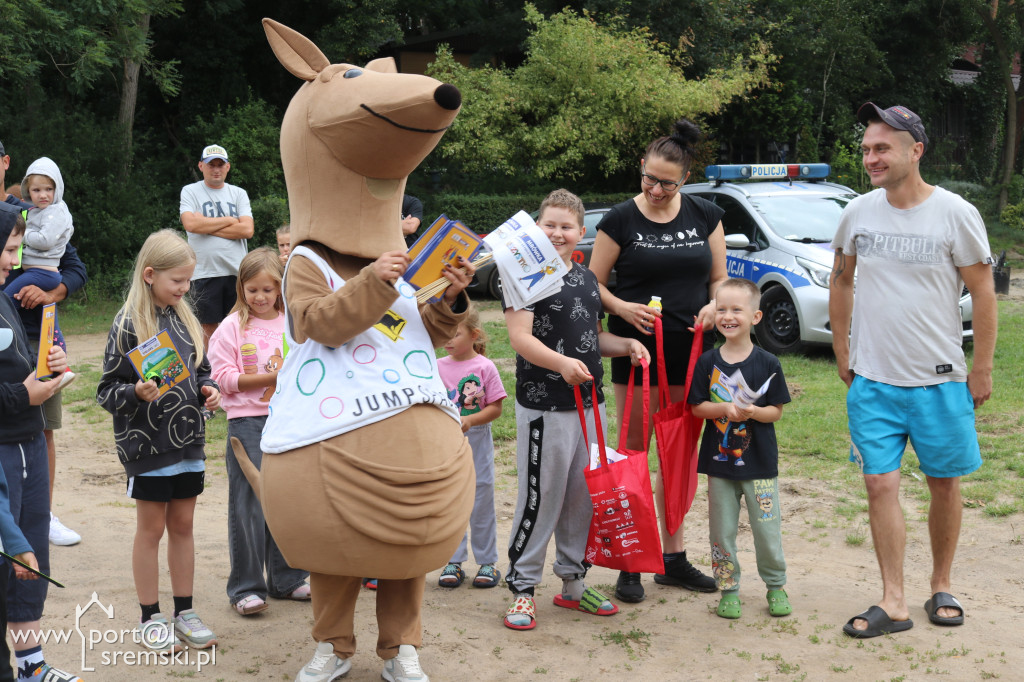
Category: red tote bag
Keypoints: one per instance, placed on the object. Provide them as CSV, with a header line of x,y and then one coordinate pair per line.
x,y
678,435
624,526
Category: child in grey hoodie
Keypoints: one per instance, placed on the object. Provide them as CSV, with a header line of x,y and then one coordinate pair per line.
x,y
48,229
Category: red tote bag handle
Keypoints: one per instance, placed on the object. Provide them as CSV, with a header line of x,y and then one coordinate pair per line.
x,y
597,420
628,406
664,400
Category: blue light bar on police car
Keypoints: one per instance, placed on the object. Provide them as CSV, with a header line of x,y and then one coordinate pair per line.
x,y
768,171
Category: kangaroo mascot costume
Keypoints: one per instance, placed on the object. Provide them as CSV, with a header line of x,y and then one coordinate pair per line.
x,y
366,472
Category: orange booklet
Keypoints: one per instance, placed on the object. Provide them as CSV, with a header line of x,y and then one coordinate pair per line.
x,y
46,329
443,242
156,358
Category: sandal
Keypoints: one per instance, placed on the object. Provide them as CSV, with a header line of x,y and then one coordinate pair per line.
x,y
521,606
301,593
250,604
451,576
370,583
778,603
487,576
592,602
729,606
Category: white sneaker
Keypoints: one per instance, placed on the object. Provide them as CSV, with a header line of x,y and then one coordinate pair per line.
x,y
61,534
324,666
405,667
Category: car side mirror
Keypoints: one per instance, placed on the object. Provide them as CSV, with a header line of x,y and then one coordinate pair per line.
x,y
739,241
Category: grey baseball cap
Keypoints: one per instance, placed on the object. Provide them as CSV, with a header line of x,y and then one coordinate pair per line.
x,y
898,117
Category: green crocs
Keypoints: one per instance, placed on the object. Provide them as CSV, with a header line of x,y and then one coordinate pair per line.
x,y
729,606
778,603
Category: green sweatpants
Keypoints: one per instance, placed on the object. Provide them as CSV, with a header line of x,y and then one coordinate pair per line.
x,y
765,523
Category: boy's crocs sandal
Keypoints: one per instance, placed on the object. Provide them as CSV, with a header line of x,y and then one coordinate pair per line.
x,y
778,603
521,609
451,576
370,583
592,602
729,606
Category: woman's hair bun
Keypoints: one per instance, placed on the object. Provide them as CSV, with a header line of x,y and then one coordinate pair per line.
x,y
685,133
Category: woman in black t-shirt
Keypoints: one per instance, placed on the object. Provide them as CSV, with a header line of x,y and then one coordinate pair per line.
x,y
672,245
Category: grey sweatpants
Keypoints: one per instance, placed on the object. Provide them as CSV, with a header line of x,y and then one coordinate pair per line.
x,y
483,524
551,455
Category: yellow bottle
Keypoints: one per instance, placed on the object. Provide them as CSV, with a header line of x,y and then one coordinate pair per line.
x,y
656,304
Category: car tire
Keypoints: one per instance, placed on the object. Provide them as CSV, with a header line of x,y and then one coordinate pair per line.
x,y
494,284
779,329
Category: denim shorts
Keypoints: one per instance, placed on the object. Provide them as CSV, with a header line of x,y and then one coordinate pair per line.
x,y
938,420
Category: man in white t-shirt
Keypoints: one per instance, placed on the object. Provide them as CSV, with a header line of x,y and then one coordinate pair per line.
x,y
913,246
218,219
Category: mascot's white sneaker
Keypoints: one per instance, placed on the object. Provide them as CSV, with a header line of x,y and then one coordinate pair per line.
x,y
324,666
405,667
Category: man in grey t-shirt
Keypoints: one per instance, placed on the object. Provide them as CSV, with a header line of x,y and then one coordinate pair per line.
x,y
914,246
218,219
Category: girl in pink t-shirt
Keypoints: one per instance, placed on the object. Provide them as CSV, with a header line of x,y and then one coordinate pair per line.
x,y
474,385
246,354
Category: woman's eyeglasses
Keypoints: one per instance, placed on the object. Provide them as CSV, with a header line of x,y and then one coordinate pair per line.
x,y
651,181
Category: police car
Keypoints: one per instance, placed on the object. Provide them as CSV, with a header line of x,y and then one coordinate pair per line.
x,y
779,222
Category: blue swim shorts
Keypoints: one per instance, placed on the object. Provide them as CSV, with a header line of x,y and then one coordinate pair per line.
x,y
938,421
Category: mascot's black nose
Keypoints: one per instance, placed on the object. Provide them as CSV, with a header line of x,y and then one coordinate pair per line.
x,y
448,96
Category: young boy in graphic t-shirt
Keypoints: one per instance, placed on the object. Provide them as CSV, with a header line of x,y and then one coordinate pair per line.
x,y
559,343
739,452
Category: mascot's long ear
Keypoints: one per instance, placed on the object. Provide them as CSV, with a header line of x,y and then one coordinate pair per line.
x,y
383,65
296,52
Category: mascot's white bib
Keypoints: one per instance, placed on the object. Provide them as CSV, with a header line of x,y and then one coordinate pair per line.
x,y
325,392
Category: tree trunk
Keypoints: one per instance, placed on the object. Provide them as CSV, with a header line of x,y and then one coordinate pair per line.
x,y
129,95
1005,58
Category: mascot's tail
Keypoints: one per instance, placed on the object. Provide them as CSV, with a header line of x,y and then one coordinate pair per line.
x,y
252,474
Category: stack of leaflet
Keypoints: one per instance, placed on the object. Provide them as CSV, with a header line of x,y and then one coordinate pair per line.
x,y
528,264
442,243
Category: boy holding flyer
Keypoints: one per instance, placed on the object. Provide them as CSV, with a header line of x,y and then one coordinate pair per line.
x,y
738,452
559,342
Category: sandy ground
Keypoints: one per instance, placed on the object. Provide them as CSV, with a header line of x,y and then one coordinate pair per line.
x,y
673,635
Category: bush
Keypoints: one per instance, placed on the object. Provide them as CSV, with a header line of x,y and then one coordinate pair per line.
x,y
268,214
985,199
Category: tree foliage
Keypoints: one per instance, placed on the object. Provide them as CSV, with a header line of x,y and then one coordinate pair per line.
x,y
587,96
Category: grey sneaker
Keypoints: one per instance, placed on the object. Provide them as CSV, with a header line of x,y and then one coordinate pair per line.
x,y
191,628
405,667
157,634
324,666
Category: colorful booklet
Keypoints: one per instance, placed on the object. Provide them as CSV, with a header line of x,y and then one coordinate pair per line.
x,y
442,243
156,358
530,267
46,329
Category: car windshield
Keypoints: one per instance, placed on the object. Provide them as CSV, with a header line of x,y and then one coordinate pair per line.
x,y
803,218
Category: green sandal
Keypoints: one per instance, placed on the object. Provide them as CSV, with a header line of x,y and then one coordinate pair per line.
x,y
729,606
778,603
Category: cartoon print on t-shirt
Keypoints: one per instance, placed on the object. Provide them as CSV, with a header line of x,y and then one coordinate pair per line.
x,y
735,436
273,365
470,395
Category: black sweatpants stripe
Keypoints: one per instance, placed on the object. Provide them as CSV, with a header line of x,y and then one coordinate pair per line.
x,y
521,537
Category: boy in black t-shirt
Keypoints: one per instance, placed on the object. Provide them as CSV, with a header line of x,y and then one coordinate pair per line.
x,y
559,343
739,388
